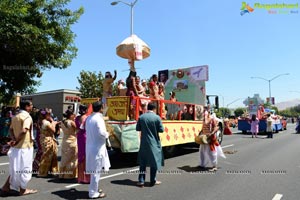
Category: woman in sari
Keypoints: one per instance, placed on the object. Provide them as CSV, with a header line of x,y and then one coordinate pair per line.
x,y
48,161
38,156
161,93
5,122
81,142
173,108
140,91
153,86
68,164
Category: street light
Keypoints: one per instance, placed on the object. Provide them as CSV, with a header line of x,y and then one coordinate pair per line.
x,y
132,4
234,101
269,80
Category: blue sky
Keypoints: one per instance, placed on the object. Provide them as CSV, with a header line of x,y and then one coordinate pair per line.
x,y
191,33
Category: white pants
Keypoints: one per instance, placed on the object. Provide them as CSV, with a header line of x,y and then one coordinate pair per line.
x,y
20,167
94,185
208,158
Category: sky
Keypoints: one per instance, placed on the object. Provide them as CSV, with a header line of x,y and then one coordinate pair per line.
x,y
192,33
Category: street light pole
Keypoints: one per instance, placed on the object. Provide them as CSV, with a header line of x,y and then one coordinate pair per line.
x,y
269,80
234,101
132,4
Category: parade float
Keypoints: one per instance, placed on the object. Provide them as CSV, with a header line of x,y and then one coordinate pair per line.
x,y
255,106
189,86
122,112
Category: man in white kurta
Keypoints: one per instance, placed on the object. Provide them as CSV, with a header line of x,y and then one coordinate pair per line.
x,y
21,152
96,152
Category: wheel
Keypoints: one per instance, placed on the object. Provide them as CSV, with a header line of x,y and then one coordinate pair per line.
x,y
170,151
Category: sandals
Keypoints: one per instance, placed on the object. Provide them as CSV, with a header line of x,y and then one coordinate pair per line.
x,y
140,184
28,192
214,169
156,183
100,196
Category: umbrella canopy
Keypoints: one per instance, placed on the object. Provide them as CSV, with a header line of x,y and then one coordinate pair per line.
x,y
133,48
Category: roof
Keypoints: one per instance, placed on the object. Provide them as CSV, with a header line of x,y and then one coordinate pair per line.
x,y
52,92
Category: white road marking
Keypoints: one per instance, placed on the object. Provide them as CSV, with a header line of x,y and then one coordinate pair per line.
x,y
230,145
73,185
120,173
125,172
277,197
4,163
106,177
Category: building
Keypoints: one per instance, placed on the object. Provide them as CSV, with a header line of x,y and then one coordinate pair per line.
x,y
57,100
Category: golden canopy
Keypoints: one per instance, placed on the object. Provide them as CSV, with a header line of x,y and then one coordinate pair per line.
x,y
133,48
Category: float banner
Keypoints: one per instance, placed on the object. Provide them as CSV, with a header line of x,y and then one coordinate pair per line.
x,y
118,108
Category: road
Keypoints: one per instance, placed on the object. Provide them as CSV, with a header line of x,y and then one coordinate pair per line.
x,y
255,168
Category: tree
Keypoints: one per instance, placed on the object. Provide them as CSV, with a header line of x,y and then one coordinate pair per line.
x,y
223,112
239,112
291,112
34,35
91,84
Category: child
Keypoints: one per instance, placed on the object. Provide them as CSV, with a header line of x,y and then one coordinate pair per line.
x,y
269,126
254,125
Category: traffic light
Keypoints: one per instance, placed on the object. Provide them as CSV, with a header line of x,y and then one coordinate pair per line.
x,y
217,102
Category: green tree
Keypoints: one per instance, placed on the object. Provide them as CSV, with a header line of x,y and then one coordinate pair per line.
x,y
223,112
34,35
91,84
239,112
291,112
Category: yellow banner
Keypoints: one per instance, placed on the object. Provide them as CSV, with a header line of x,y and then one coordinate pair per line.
x,y
118,108
179,132
87,101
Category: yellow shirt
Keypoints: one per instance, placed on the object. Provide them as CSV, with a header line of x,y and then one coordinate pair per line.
x,y
22,121
107,87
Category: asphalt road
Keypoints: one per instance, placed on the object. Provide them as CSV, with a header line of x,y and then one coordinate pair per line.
x,y
255,168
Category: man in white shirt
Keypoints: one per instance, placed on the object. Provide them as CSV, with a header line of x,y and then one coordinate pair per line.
x,y
96,152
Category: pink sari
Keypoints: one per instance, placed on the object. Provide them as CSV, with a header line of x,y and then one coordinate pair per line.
x,y
81,142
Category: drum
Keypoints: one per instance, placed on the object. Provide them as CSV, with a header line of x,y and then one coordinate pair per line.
x,y
201,139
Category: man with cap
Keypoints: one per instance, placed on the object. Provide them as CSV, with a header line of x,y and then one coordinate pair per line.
x,y
121,88
145,86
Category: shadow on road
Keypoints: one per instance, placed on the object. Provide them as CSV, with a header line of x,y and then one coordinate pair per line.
x,y
120,160
60,180
127,182
11,193
188,168
123,160
72,194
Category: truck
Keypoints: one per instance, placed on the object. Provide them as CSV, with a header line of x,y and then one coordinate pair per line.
x,y
189,86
